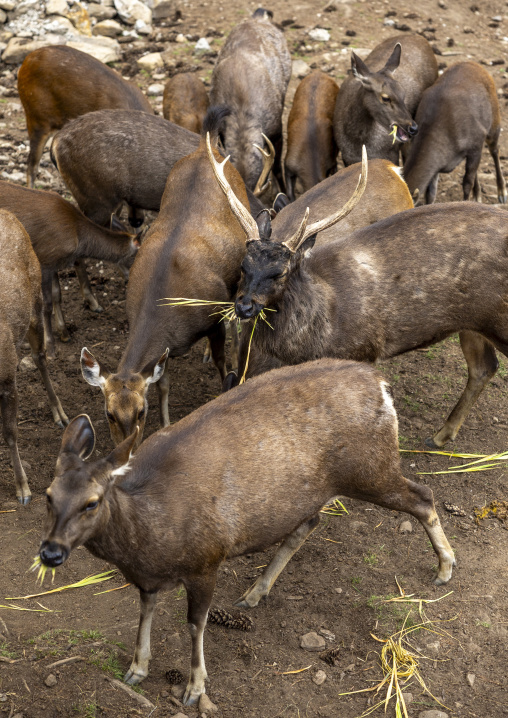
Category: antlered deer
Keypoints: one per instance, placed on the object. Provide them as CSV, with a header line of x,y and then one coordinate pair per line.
x,y
251,77
456,115
20,316
172,513
405,282
185,101
59,83
311,150
384,92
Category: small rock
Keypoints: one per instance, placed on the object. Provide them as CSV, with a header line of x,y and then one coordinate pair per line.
x,y
27,364
105,49
177,691
132,10
51,680
142,27
319,678
18,715
206,705
202,45
57,7
26,465
408,698
156,89
433,647
7,5
151,61
328,635
442,5
350,668
163,8
107,28
179,715
338,590
468,31
470,678
432,714
300,68
180,38
59,26
359,525
312,642
497,18
319,34
101,12
406,527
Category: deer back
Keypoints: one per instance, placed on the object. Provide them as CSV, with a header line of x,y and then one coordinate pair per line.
x,y
185,101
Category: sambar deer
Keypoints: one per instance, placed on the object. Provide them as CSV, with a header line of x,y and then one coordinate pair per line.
x,y
403,283
185,101
173,512
20,316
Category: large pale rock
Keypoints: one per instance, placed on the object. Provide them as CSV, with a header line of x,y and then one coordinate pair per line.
x,y
59,25
25,5
162,9
132,10
107,28
7,5
78,15
300,68
18,47
101,12
312,642
151,61
3,17
104,49
57,7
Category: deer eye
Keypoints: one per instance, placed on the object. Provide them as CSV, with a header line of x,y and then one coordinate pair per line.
x,y
91,505
111,418
48,499
141,413
385,98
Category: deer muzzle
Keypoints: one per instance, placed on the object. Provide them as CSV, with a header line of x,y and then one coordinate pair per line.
x,y
53,554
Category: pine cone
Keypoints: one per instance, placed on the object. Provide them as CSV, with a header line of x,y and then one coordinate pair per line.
x,y
221,617
330,656
174,677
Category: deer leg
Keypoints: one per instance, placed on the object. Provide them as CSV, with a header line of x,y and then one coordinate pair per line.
x,y
89,299
235,344
56,295
47,308
139,666
289,183
477,190
136,216
38,139
207,354
494,153
482,364
36,339
431,192
163,392
9,406
199,597
217,337
286,550
470,175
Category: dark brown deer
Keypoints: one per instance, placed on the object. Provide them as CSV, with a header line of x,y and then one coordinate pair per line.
x,y
405,282
171,514
59,83
110,157
251,77
456,116
194,249
20,316
311,154
382,94
60,235
185,101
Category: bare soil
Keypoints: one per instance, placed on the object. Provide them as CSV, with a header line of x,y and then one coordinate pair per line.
x,y
337,580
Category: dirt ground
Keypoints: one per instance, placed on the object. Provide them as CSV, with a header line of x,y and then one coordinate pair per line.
x,y
337,582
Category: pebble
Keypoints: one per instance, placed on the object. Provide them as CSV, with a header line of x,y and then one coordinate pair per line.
x,y
406,527
27,364
150,61
206,705
312,642
156,89
433,647
432,714
328,635
338,590
471,677
202,45
179,715
300,68
319,678
319,34
51,680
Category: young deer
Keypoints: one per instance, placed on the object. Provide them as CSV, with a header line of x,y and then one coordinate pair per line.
x,y
384,92
171,514
185,101
20,315
405,282
61,235
456,116
58,83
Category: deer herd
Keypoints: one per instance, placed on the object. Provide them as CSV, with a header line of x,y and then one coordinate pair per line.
x,y
352,271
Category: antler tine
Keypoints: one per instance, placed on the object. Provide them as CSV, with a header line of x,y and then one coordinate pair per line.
x,y
249,226
303,231
268,160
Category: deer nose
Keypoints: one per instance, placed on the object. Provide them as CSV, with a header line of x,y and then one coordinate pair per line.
x,y
244,308
412,129
52,554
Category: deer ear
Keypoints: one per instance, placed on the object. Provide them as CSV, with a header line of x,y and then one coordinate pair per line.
x,y
153,371
79,437
360,70
92,370
307,245
393,61
120,456
281,201
264,223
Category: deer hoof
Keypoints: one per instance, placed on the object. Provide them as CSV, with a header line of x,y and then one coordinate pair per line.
x,y
132,678
430,444
24,500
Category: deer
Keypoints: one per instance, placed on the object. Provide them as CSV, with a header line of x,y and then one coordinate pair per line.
x,y
311,154
104,158
185,101
193,249
376,105
20,316
58,83
251,76
170,515
60,235
405,282
456,116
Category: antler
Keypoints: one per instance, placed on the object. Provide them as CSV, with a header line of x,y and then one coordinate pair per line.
x,y
249,226
303,231
268,159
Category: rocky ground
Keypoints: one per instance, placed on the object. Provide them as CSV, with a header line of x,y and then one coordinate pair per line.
x,y
63,656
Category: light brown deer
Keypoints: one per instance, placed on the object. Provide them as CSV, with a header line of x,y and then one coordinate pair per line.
x,y
59,83
20,316
185,101
456,116
185,502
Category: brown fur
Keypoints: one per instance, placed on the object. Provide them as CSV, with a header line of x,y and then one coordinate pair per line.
x,y
311,154
59,83
456,115
185,101
20,315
